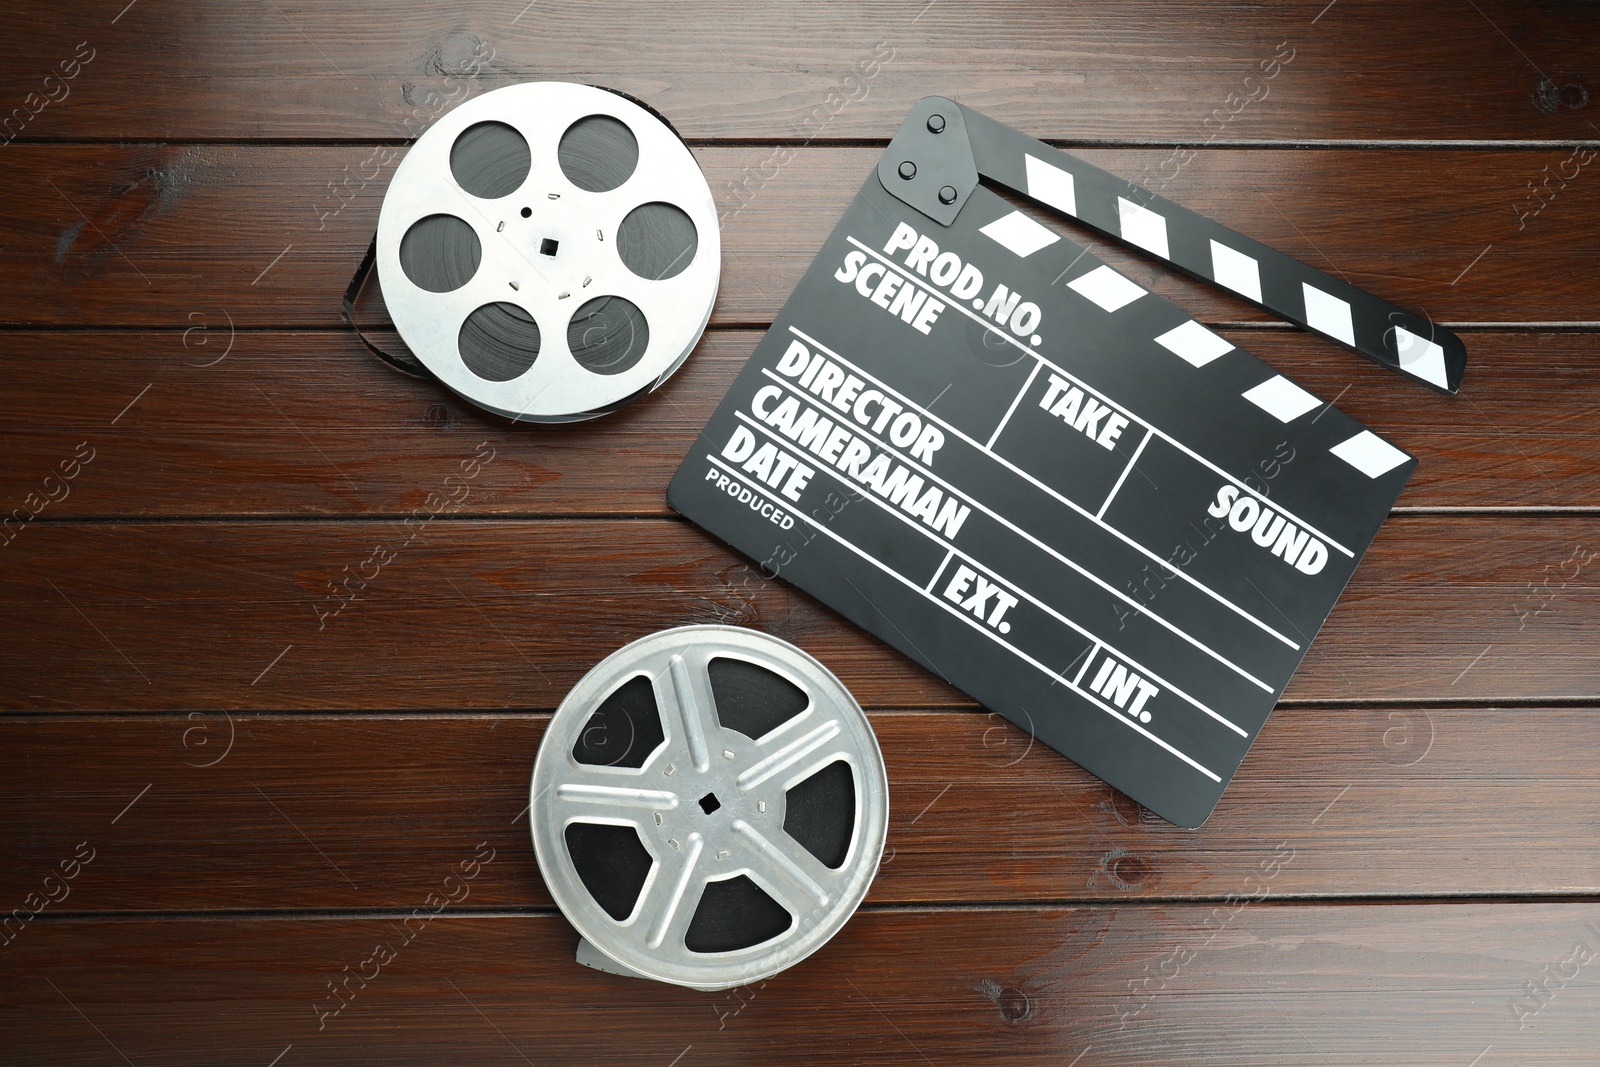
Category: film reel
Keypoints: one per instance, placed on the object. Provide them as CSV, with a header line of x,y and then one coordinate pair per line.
x,y
708,807
549,251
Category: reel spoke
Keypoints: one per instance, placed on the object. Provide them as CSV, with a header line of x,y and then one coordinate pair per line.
x,y
730,878
695,708
786,863
616,803
666,911
783,757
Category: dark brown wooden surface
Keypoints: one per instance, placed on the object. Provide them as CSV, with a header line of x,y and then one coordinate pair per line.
x,y
244,422
179,236
1261,985
1128,72
1375,801
1405,870
490,614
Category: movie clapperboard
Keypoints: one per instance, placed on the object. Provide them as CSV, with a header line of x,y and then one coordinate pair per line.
x,y
1054,489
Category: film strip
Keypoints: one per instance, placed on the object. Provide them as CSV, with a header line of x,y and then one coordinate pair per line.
x,y
709,806
1052,488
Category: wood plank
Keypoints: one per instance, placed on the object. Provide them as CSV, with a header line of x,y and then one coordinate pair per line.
x,y
1143,71
311,424
273,771
358,812
181,236
472,614
1253,985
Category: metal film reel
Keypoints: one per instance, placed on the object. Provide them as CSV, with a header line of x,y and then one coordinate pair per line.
x,y
709,806
549,251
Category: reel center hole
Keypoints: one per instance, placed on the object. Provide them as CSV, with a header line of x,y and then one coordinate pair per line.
x,y
709,803
548,246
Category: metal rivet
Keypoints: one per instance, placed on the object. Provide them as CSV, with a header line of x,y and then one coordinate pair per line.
x,y
727,753
659,819
500,227
587,280
947,195
598,236
671,770
935,123
673,841
908,170
514,285
724,854
553,196
761,805
563,296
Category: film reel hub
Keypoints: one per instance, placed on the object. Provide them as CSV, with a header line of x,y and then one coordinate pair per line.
x,y
708,807
549,251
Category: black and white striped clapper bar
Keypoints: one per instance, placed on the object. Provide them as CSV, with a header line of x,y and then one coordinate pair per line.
x,y
1052,488
1126,211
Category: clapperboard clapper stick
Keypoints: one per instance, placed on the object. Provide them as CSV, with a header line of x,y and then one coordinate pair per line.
x,y
1054,489
951,147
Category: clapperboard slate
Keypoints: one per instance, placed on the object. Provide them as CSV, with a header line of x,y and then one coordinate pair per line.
x,y
1052,488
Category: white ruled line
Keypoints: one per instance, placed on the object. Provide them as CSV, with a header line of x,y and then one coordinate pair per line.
x,y
1035,601
1014,402
1010,466
952,491
942,565
1086,661
1100,515
1152,427
1036,483
964,617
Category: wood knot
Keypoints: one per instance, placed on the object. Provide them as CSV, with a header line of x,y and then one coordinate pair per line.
x,y
1126,870
1014,1005
460,54
1548,97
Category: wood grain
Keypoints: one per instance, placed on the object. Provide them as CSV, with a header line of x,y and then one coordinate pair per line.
x,y
1255,985
471,614
269,423
792,71
179,236
273,768
353,811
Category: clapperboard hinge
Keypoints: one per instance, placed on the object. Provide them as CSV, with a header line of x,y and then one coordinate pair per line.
x,y
943,150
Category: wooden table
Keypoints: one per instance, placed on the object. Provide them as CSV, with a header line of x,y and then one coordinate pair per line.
x,y
226,777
